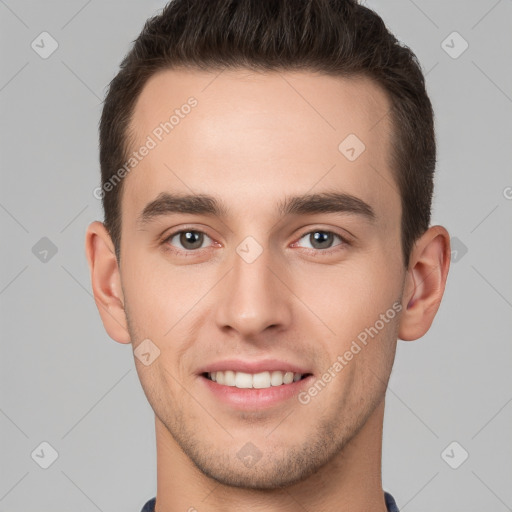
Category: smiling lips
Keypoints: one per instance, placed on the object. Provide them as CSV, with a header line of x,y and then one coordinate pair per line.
x,y
255,385
253,374
260,380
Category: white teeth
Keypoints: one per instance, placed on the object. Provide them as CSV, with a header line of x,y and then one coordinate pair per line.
x,y
229,378
260,380
243,380
276,378
288,378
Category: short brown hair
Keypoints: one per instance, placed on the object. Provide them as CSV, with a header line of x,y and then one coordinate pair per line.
x,y
337,37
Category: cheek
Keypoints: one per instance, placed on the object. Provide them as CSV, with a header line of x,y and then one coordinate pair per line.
x,y
167,305
160,294
162,391
350,296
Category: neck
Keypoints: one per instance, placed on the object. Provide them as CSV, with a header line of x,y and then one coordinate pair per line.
x,y
351,480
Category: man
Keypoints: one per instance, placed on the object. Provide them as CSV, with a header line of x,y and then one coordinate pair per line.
x,y
267,173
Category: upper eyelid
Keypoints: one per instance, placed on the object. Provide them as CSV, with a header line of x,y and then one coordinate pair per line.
x,y
343,239
171,235
167,238
323,231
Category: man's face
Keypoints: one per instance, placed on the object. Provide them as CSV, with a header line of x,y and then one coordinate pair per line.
x,y
256,284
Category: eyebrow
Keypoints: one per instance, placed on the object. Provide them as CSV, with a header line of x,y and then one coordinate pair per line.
x,y
306,204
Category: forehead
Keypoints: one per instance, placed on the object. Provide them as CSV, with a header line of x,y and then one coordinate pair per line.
x,y
250,134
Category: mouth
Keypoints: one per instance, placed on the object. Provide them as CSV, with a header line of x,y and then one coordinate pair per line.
x,y
255,384
260,380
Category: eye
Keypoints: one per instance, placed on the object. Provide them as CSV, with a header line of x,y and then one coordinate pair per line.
x,y
321,239
188,239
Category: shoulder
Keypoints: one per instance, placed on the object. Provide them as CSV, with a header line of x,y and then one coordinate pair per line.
x,y
390,503
149,506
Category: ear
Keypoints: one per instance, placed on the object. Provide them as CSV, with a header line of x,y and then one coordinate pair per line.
x,y
106,281
425,282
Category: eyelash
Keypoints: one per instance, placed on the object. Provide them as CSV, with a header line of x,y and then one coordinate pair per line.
x,y
184,252
316,252
321,252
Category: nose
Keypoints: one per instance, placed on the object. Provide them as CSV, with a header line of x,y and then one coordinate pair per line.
x,y
254,297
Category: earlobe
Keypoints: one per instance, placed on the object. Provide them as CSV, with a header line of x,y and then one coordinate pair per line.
x,y
425,282
106,281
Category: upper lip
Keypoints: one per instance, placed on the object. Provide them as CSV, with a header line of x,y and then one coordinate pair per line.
x,y
239,365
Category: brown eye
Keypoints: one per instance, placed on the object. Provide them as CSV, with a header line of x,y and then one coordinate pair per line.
x,y
188,239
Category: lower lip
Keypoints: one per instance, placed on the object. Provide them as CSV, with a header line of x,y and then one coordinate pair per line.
x,y
251,398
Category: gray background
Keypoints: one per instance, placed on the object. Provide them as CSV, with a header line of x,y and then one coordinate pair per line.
x,y
64,382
